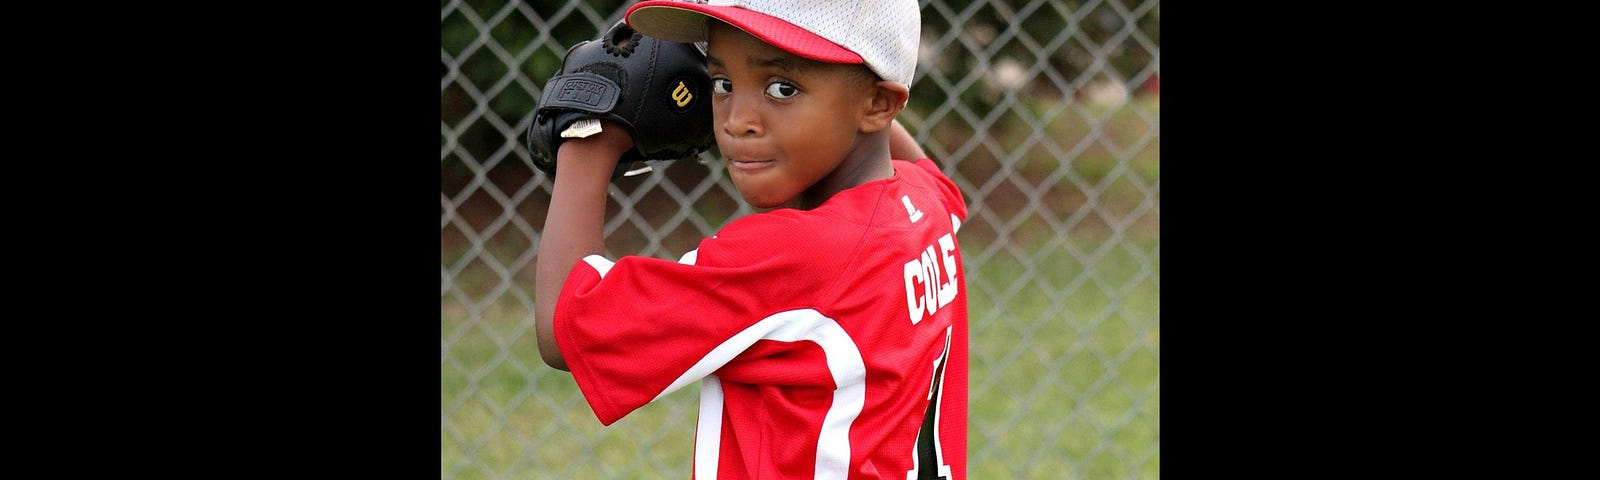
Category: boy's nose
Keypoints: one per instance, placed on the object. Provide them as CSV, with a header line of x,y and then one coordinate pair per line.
x,y
743,119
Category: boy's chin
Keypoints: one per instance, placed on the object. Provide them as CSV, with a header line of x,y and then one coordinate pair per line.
x,y
764,201
767,204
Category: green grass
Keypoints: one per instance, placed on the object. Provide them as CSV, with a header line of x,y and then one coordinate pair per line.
x,y
1065,376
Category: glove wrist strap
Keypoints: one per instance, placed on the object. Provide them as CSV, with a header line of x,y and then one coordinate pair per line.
x,y
581,91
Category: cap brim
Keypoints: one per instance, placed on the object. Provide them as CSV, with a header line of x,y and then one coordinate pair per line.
x,y
683,22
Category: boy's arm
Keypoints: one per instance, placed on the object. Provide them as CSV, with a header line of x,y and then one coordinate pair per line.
x,y
574,226
901,145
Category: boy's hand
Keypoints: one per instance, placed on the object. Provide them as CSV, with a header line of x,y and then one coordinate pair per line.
x,y
656,92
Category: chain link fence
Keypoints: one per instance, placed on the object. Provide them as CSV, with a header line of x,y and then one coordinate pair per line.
x,y
1045,113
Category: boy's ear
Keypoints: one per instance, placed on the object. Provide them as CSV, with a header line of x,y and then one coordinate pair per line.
x,y
888,98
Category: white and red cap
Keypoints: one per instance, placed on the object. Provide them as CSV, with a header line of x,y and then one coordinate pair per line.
x,y
881,34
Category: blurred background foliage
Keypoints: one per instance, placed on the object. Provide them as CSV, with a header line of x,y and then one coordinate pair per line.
x,y
980,50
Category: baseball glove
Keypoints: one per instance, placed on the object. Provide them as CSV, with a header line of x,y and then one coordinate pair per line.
x,y
655,89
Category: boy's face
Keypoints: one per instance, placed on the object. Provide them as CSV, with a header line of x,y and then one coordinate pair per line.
x,y
782,122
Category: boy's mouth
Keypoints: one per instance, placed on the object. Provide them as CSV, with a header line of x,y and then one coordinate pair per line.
x,y
749,165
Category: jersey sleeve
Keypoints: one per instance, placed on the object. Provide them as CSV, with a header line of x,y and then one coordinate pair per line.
x,y
639,328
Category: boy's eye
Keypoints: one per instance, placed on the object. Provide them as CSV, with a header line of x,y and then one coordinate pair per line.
x,y
781,90
721,85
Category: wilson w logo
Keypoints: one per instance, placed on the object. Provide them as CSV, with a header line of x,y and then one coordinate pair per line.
x,y
681,94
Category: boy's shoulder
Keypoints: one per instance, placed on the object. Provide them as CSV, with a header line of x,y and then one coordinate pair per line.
x,y
812,236
925,168
787,225
925,173
795,242
838,226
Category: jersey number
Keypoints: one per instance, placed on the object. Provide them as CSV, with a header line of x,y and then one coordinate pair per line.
x,y
929,453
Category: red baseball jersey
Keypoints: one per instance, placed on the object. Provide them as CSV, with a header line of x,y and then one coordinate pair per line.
x,y
828,343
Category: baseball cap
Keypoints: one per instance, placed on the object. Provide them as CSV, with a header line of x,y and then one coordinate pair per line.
x,y
881,34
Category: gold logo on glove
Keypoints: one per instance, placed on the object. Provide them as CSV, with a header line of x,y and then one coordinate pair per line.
x,y
681,94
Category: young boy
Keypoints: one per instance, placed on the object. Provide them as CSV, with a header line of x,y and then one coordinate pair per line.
x,y
828,332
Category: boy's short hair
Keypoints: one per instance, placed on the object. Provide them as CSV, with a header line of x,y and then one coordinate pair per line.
x,y
880,34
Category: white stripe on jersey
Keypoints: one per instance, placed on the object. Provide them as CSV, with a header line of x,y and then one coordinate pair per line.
x,y
600,264
844,363
708,429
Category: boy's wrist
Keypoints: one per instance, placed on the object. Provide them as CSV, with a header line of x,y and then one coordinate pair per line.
x,y
599,152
